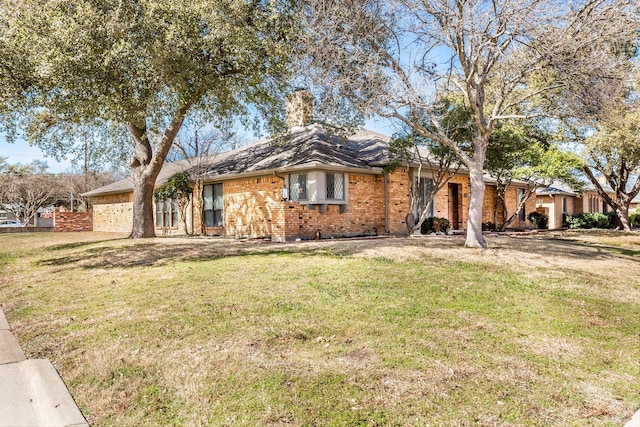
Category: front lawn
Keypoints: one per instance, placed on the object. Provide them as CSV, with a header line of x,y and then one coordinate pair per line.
x,y
538,330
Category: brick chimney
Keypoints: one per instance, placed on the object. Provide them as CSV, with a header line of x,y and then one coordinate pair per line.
x,y
299,109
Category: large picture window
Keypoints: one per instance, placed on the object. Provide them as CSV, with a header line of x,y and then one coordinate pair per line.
x,y
335,186
298,186
213,205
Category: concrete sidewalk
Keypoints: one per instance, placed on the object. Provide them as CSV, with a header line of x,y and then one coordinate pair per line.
x,y
31,391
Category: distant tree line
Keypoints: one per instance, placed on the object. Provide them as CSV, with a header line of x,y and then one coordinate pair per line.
x,y
27,188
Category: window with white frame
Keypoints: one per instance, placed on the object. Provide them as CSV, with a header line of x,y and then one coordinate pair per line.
x,y
213,205
166,213
298,186
335,186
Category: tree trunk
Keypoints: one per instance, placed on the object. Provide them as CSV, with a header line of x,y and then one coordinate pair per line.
x,y
475,239
143,225
145,168
198,206
621,208
505,219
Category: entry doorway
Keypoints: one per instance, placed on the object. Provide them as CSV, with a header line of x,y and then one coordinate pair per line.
x,y
455,206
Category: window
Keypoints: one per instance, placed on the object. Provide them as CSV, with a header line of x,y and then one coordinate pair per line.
x,y
425,189
522,215
213,204
159,213
564,205
298,186
166,213
335,186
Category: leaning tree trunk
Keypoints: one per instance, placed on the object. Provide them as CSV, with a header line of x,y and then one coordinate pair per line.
x,y
475,239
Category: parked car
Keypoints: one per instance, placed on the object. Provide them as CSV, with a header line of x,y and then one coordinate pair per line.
x,y
9,223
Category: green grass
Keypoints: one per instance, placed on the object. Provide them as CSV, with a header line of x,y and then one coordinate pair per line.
x,y
211,332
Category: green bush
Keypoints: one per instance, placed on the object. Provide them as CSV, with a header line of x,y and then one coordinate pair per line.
x,y
613,219
538,219
435,225
589,220
634,219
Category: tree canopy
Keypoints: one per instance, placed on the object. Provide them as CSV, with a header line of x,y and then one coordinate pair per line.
x,y
139,67
613,153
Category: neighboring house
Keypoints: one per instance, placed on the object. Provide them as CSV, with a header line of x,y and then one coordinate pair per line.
x,y
307,183
557,201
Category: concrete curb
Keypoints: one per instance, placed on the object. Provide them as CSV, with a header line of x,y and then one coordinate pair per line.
x,y
31,391
634,421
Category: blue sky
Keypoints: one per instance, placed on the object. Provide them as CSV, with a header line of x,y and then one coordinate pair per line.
x,y
22,152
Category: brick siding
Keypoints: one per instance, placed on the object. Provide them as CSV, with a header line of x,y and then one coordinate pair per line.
x,y
364,214
398,189
72,221
253,208
113,213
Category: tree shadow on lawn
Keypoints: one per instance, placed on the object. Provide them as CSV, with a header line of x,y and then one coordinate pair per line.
x,y
519,246
569,248
161,253
156,252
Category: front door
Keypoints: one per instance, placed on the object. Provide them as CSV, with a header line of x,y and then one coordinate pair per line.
x,y
454,206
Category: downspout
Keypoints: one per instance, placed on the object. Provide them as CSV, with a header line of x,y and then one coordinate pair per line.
x,y
386,203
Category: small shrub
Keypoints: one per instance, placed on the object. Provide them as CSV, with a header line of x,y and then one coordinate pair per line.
x,y
613,219
589,220
488,226
538,219
435,225
634,219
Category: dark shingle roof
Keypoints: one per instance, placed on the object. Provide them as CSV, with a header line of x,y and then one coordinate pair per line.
x,y
308,146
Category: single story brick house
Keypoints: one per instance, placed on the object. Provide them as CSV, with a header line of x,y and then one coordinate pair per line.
x,y
307,183
310,183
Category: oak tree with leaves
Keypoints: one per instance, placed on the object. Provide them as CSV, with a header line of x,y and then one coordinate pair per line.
x,y
142,67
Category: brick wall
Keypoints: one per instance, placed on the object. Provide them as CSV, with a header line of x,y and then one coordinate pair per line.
x,y
511,197
72,221
364,214
253,207
488,205
113,213
398,188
